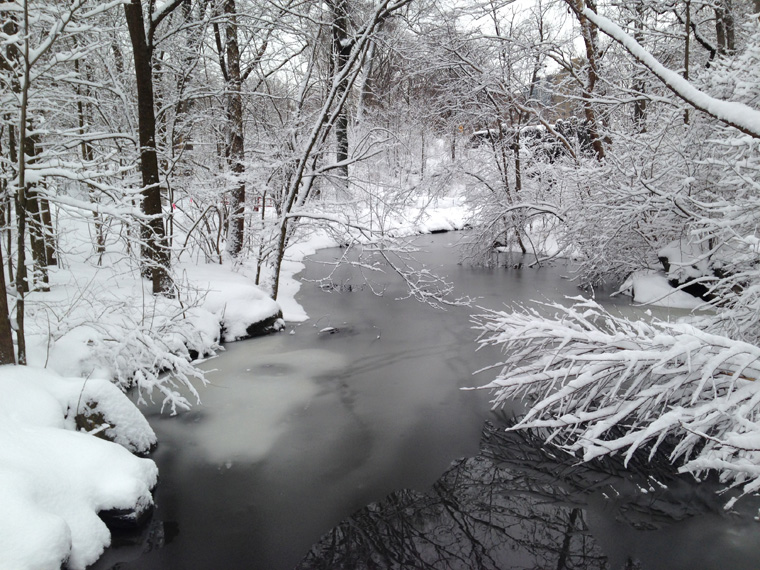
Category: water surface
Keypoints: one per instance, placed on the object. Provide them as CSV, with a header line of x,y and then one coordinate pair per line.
x,y
300,430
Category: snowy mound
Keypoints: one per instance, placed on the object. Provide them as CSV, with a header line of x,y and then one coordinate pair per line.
x,y
652,288
232,297
54,480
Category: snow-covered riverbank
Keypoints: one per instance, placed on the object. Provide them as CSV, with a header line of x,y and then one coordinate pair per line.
x,y
99,327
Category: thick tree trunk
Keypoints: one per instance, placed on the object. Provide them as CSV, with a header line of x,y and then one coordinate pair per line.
x,y
9,27
155,253
341,51
236,141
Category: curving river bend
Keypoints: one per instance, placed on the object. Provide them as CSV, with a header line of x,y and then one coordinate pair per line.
x,y
299,431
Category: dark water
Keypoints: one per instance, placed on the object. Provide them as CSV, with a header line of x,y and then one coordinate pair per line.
x,y
300,431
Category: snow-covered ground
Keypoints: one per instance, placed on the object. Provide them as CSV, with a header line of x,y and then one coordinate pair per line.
x,y
96,325
652,288
54,479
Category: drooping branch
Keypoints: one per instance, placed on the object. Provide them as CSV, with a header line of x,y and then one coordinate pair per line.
x,y
735,114
601,385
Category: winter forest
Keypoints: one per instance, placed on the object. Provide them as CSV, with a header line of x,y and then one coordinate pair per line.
x,y
166,164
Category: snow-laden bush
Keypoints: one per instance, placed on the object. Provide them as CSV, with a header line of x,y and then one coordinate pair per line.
x,y
597,384
103,324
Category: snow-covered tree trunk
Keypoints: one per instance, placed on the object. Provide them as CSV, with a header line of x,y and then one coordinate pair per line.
x,y
235,126
341,51
155,251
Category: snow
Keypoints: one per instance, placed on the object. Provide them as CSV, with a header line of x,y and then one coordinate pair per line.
x,y
231,297
97,324
423,216
247,428
687,260
53,479
292,264
652,288
41,396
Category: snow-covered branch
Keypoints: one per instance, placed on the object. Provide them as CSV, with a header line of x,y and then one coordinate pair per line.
x,y
599,385
733,113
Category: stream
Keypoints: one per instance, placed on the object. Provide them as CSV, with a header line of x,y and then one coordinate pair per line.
x,y
341,443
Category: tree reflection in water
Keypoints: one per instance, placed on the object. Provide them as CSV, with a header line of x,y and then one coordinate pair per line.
x,y
517,505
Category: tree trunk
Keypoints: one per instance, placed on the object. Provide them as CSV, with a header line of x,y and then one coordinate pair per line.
x,y
37,229
6,337
155,253
365,91
725,27
36,237
686,50
48,231
341,51
592,55
87,157
639,81
236,141
22,285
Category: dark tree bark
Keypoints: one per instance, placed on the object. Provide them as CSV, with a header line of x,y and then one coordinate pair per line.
x,y
639,81
48,235
236,141
725,26
37,230
686,52
37,239
155,252
341,51
7,355
6,337
21,283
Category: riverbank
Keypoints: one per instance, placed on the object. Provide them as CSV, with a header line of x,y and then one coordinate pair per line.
x,y
67,430
99,329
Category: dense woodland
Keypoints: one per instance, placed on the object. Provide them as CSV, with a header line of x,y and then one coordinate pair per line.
x,y
219,131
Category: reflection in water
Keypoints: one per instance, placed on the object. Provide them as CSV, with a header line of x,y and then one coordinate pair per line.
x,y
298,431
519,505
133,543
479,514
